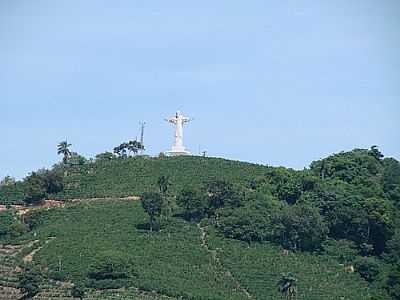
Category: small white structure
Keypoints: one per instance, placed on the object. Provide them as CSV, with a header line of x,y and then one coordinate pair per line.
x,y
178,148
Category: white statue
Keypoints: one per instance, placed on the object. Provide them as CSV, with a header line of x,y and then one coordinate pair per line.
x,y
178,120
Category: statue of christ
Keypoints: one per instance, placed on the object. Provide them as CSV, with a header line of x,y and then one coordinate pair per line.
x,y
178,120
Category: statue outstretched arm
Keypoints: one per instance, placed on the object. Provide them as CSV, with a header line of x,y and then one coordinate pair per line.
x,y
186,120
172,120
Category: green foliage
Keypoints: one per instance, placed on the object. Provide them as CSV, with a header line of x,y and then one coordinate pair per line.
x,y
344,251
78,291
29,281
42,183
152,204
380,222
255,221
63,149
222,193
368,267
10,226
171,262
12,194
163,184
106,156
136,175
76,159
393,283
194,203
8,180
129,147
284,184
109,271
287,285
303,228
258,268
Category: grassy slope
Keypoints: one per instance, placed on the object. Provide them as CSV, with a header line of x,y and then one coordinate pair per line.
x,y
259,268
170,262
133,176
173,262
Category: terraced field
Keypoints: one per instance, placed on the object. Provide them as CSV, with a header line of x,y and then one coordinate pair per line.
x,y
133,176
182,261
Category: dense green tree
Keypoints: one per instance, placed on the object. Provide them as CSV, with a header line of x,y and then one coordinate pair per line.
x,y
29,281
344,251
163,184
393,282
38,185
105,156
75,159
380,222
392,250
246,223
222,193
368,267
391,180
194,203
63,149
374,152
284,184
10,225
152,204
7,181
35,189
302,228
134,147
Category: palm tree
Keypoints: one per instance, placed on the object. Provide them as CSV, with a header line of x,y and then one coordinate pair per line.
x,y
63,148
134,146
288,285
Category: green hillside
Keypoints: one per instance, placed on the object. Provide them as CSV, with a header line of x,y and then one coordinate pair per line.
x,y
133,176
173,262
206,229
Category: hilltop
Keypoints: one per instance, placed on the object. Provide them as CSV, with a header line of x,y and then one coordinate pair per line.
x,y
224,230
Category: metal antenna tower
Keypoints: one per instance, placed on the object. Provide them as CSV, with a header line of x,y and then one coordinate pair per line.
x,y
142,126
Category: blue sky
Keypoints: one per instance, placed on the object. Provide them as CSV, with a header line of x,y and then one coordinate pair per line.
x,y
280,82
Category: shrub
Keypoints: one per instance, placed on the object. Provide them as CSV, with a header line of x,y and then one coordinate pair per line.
x,y
368,267
194,203
10,226
29,281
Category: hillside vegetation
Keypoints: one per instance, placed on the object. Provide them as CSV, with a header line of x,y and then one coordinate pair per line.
x,y
209,228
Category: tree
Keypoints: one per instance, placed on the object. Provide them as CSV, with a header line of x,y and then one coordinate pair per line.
x,y
35,189
8,180
380,222
105,156
152,204
245,223
10,226
194,203
393,283
221,193
134,146
163,184
40,184
374,152
368,267
29,281
287,285
302,228
63,148
75,159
